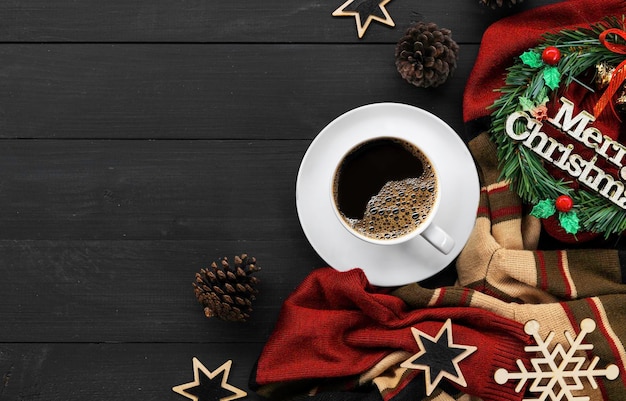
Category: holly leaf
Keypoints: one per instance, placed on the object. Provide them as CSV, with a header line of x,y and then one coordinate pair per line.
x,y
531,59
544,209
526,103
552,77
569,221
543,99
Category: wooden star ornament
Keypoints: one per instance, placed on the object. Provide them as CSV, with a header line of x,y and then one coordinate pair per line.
x,y
371,10
439,356
205,388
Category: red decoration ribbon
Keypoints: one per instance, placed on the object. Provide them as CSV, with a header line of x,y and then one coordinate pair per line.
x,y
619,75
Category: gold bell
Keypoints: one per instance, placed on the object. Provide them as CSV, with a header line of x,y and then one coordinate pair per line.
x,y
604,73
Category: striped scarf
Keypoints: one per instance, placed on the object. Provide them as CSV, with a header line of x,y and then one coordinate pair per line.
x,y
501,270
340,339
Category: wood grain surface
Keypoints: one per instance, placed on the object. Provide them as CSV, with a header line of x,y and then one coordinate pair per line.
x,y
139,141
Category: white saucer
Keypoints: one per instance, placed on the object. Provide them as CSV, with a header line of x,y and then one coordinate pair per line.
x,y
387,265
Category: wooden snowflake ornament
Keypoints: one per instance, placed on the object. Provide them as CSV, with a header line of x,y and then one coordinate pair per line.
x,y
557,373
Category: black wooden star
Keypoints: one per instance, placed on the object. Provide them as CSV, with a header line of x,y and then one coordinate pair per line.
x,y
371,10
439,357
205,388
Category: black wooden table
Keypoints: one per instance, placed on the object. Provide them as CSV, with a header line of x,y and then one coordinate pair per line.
x,y
141,140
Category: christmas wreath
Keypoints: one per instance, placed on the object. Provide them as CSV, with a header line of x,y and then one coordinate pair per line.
x,y
549,148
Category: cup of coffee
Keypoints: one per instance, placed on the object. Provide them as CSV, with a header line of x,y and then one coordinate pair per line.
x,y
385,190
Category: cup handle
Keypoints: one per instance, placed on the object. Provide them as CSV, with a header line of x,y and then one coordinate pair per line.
x,y
438,238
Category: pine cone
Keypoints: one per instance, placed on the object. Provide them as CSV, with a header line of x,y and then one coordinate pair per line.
x,y
426,55
499,3
227,291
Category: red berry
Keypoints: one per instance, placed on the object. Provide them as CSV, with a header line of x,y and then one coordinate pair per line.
x,y
551,55
564,203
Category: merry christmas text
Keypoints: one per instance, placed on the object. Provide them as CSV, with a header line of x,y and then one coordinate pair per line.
x,y
562,156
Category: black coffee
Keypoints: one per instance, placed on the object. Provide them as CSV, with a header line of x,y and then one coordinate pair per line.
x,y
385,188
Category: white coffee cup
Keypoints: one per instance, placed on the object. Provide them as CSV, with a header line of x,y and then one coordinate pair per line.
x,y
379,166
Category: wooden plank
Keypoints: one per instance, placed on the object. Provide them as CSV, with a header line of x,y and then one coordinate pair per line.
x,y
104,372
135,291
79,189
229,21
219,91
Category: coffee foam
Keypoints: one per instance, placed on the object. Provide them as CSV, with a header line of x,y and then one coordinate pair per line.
x,y
399,208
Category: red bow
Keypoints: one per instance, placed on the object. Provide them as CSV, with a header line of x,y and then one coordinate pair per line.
x,y
619,75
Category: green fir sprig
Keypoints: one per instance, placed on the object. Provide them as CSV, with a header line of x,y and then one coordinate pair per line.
x,y
526,80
